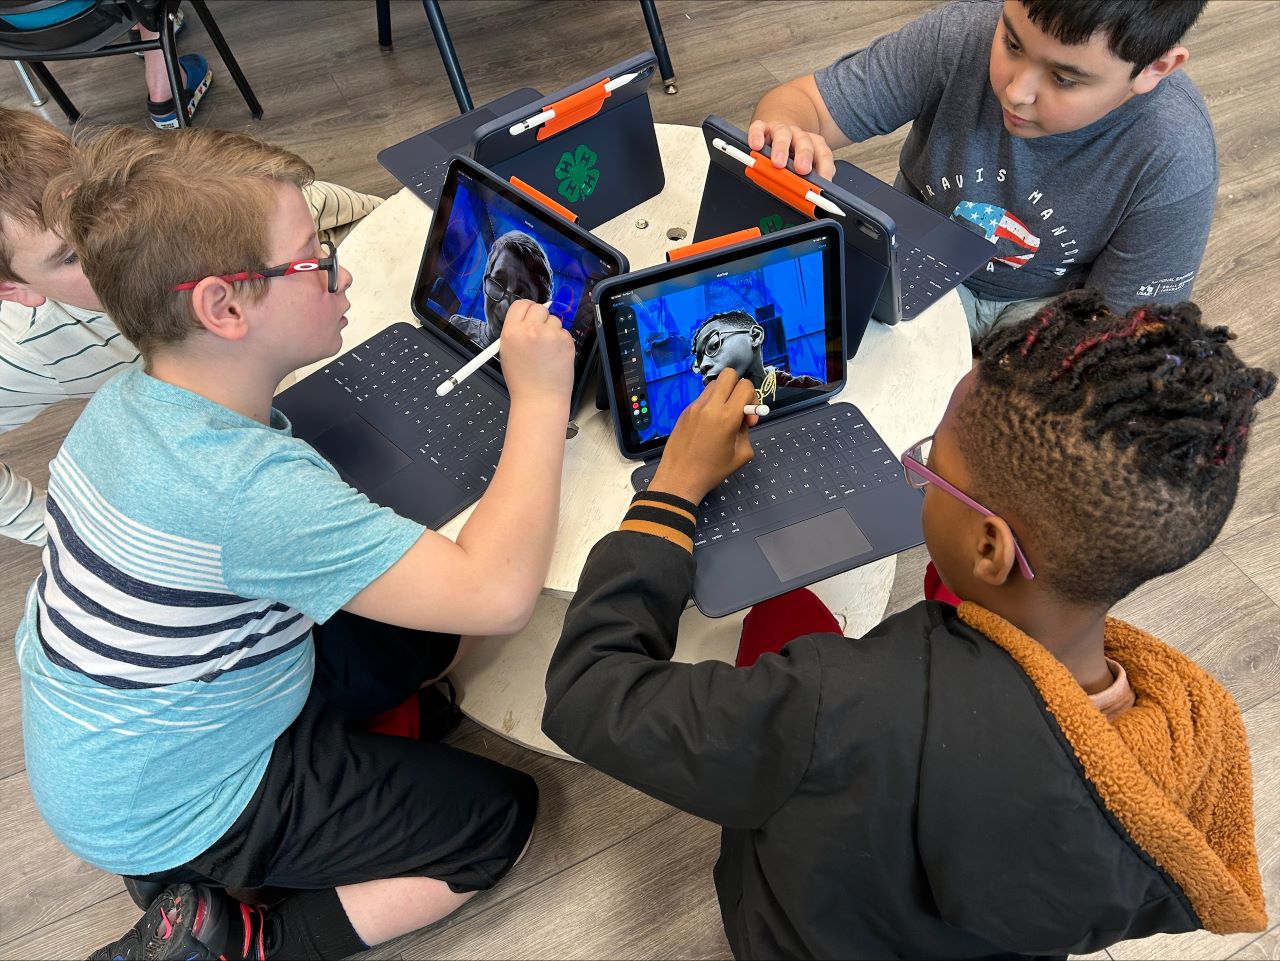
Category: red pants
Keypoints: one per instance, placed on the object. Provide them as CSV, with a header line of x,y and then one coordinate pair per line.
x,y
935,590
773,624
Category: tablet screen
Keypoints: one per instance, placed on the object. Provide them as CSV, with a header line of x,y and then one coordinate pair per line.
x,y
771,312
488,247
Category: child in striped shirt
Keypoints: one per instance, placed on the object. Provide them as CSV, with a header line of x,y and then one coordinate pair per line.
x,y
56,342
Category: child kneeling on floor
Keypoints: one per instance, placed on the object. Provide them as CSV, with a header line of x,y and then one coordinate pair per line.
x,y
219,613
1018,776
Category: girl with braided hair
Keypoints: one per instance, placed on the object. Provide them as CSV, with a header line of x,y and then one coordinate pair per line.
x,y
1015,775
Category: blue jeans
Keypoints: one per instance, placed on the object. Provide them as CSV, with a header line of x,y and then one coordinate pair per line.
x,y
984,315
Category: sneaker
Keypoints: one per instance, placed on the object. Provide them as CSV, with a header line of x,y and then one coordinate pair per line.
x,y
438,711
179,21
193,923
197,76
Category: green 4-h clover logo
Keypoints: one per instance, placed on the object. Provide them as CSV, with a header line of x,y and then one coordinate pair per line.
x,y
577,174
771,223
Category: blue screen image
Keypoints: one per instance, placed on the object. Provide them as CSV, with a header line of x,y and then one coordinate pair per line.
x,y
783,297
537,265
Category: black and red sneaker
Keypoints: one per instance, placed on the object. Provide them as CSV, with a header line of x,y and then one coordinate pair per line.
x,y
190,922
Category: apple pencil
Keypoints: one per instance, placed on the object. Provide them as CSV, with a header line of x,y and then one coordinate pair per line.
x,y
760,410
523,125
479,360
822,203
469,368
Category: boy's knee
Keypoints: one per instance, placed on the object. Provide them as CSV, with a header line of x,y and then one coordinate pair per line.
x,y
524,797
521,811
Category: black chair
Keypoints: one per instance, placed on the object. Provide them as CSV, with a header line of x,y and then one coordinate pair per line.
x,y
102,30
454,69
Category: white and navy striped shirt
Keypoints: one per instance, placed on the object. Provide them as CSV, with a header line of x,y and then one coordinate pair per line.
x,y
167,640
48,353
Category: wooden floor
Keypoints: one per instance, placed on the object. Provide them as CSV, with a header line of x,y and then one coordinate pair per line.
x,y
613,874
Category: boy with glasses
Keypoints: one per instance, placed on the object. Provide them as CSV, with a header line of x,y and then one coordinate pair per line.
x,y
56,340
1019,776
219,614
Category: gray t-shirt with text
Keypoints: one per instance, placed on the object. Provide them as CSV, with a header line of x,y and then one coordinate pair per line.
x,y
1123,205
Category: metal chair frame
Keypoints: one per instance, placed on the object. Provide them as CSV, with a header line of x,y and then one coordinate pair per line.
x,y
114,19
452,67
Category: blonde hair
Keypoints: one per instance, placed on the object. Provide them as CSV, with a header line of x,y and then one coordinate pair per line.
x,y
31,151
147,210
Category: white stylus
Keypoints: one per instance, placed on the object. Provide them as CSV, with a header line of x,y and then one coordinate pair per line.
x,y
760,410
469,368
519,128
479,360
749,161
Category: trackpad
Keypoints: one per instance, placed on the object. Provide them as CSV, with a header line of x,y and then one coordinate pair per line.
x,y
356,448
813,544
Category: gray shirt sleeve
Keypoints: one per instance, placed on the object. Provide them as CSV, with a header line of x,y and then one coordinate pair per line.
x,y
876,90
1155,252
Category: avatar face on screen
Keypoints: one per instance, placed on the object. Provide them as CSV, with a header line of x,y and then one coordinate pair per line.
x,y
734,340
517,268
729,341
766,319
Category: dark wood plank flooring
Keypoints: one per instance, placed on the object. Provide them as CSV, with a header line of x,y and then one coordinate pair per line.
x,y
613,873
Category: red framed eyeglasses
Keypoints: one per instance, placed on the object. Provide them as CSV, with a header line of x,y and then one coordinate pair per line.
x,y
329,262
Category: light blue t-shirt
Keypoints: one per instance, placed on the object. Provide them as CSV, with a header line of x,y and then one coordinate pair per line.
x,y
167,641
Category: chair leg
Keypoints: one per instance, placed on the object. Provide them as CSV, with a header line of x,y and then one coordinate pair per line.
x,y
659,42
384,24
61,99
224,51
448,55
177,83
37,98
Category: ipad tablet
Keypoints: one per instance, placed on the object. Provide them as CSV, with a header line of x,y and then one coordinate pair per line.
x,y
731,201
489,245
598,155
770,308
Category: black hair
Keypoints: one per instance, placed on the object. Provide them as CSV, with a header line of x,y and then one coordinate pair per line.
x,y
530,253
731,319
1138,31
1112,443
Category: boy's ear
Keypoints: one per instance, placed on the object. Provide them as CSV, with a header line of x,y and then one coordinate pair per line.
x,y
219,309
1158,69
995,557
19,293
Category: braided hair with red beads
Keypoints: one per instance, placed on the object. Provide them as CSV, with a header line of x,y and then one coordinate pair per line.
x,y
1112,442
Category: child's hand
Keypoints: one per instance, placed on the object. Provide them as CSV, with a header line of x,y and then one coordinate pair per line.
x,y
536,353
709,441
809,149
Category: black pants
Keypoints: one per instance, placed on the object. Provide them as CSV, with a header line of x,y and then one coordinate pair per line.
x,y
338,805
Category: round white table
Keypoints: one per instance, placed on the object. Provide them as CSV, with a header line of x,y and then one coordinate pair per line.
x,y
901,378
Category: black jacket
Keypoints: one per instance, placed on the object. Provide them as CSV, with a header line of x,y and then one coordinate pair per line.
x,y
906,794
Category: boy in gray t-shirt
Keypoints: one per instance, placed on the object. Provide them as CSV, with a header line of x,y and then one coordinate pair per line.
x,y
1063,131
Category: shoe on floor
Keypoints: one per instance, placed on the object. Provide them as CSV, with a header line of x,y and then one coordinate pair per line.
x,y
187,921
197,76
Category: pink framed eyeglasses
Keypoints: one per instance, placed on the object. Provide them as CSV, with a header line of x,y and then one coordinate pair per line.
x,y
918,476
329,263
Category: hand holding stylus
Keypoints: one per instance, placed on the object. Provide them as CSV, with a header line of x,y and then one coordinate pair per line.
x,y
709,441
537,354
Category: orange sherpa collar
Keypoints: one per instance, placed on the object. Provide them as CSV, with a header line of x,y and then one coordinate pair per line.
x,y
1173,769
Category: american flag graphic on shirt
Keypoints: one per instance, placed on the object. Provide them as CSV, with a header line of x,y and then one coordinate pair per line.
x,y
1015,244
